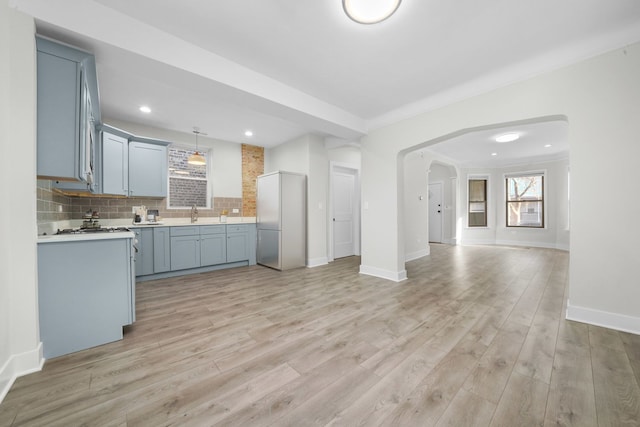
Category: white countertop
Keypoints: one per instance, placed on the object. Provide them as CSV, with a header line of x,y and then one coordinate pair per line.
x,y
50,228
53,238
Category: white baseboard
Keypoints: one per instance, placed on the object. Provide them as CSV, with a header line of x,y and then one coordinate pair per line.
x,y
417,254
396,276
19,365
619,322
316,262
519,243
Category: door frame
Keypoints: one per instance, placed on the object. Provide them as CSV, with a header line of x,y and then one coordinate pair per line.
x,y
355,169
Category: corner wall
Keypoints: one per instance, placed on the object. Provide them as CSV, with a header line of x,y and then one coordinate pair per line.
x,y
20,348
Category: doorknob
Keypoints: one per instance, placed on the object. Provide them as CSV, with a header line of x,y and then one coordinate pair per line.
x,y
438,211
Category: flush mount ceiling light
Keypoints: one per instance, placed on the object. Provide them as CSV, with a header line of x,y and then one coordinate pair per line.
x,y
508,137
369,11
197,158
145,109
248,133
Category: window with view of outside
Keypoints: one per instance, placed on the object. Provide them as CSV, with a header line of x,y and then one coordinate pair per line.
x,y
525,201
188,184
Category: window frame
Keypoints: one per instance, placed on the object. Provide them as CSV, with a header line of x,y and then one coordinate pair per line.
x,y
207,155
484,178
541,200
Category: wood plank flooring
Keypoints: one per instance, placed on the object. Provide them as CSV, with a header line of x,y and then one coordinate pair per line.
x,y
475,337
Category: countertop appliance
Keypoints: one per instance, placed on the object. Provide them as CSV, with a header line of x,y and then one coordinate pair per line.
x,y
282,220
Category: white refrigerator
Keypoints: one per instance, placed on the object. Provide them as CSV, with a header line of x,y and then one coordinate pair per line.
x,y
282,220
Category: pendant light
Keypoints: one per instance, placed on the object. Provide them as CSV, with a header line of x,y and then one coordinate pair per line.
x,y
196,158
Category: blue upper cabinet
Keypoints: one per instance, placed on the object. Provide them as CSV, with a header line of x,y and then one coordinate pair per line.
x,y
68,111
114,156
147,168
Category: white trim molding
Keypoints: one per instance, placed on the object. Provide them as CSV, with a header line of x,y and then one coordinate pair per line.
x,y
317,262
396,276
619,322
19,365
417,254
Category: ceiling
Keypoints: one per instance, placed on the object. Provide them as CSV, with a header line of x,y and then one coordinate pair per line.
x,y
284,68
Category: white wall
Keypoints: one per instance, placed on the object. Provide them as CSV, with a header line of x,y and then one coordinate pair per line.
x,y
20,349
226,157
599,98
416,205
307,155
555,233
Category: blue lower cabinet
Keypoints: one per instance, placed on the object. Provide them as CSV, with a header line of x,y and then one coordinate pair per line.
x,y
86,293
161,249
185,252
213,249
145,251
188,247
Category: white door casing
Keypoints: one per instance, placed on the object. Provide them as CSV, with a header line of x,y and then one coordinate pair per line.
x,y
344,211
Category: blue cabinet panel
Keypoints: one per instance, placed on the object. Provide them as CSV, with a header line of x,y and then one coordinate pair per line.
x,y
161,250
85,293
114,151
144,255
147,169
185,252
213,249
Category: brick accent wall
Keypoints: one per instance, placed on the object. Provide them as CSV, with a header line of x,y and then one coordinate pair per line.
x,y
252,167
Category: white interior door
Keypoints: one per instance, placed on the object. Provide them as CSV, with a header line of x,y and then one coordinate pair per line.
x,y
344,210
435,212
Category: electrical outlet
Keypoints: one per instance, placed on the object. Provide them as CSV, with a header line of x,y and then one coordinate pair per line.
x,y
235,210
133,209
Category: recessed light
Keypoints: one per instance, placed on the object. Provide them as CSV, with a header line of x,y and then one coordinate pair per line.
x,y
507,137
547,146
494,154
145,109
248,133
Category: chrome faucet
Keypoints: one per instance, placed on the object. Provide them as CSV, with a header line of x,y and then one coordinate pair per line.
x,y
194,213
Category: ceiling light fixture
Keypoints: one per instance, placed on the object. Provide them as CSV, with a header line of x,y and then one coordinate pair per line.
x,y
248,133
507,137
494,154
547,145
145,109
196,158
369,11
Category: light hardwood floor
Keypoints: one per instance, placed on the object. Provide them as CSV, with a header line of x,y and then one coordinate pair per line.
x,y
475,337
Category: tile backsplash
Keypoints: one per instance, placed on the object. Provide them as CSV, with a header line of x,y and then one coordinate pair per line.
x,y
55,206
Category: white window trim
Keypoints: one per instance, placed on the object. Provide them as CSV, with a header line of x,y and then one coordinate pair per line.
x,y
545,197
486,177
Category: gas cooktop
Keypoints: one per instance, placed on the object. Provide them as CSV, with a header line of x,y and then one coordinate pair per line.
x,y
92,230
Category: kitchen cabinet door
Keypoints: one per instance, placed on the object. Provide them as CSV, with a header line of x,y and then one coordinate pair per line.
x,y
213,249
144,256
147,169
68,109
185,252
115,164
161,250
58,116
238,243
